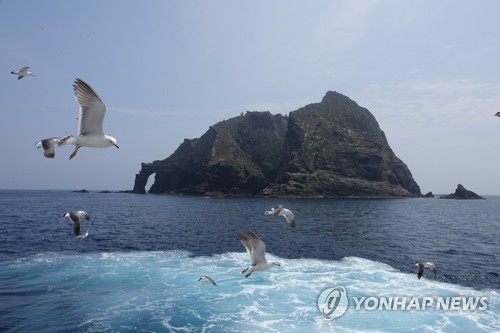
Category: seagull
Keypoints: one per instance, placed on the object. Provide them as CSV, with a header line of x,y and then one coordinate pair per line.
x,y
497,114
256,248
24,71
279,210
90,131
75,216
208,278
422,265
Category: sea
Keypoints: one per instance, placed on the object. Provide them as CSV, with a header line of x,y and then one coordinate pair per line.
x,y
349,266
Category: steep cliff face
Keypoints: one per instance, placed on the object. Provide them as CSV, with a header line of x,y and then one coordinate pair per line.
x,y
336,148
332,148
239,156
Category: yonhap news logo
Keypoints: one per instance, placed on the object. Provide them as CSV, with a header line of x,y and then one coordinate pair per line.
x,y
333,302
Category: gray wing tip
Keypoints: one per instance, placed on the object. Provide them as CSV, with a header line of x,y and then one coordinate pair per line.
x,y
48,147
251,234
247,234
81,87
80,84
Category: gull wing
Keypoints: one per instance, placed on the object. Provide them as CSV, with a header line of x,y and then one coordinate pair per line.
x,y
431,266
92,110
255,247
290,218
48,146
277,210
24,70
421,267
246,243
75,218
85,215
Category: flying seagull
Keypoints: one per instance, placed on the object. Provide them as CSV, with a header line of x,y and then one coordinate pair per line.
x,y
423,265
286,213
90,130
75,216
256,248
24,71
208,278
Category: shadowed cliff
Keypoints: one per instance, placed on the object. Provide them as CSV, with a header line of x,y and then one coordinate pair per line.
x,y
334,148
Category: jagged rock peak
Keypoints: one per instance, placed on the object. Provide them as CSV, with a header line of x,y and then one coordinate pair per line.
x,y
336,98
462,193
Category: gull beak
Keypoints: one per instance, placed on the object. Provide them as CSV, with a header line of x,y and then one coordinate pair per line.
x,y
116,146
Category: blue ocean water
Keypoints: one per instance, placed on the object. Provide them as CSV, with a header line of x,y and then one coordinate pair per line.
x,y
137,271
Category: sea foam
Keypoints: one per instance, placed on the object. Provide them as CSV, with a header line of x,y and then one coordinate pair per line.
x,y
158,291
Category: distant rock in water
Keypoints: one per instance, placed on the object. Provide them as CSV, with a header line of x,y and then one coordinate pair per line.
x,y
334,148
429,195
81,191
462,193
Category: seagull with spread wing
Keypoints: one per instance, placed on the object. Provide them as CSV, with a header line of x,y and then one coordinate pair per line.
x,y
256,248
280,211
75,216
24,71
90,129
423,265
207,277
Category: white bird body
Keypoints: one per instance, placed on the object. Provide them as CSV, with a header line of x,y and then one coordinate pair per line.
x,y
90,124
280,211
256,248
22,72
93,141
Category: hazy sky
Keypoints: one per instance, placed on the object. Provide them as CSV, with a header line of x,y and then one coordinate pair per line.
x,y
429,71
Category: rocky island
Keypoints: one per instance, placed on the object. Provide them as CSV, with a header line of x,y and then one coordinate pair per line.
x,y
333,148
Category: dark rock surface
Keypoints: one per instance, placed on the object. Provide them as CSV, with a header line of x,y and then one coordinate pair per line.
x,y
334,148
429,195
462,193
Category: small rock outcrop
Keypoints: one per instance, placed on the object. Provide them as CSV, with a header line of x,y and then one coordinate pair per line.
x,y
81,191
333,148
462,193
